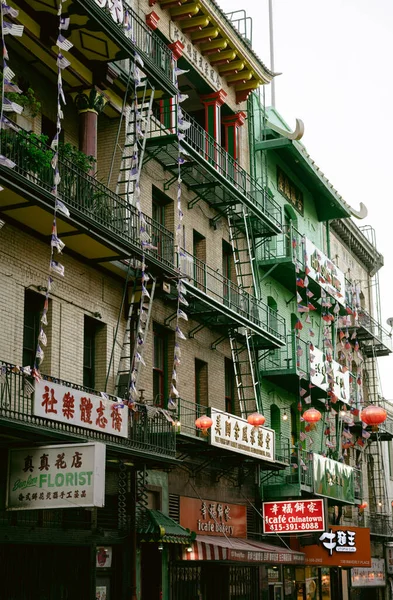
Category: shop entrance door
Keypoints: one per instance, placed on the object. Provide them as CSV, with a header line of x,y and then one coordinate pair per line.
x,y
151,572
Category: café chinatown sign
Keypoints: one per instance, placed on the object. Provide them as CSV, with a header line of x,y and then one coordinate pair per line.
x,y
294,516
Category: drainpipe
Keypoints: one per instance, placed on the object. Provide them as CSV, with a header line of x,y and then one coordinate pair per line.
x,y
327,238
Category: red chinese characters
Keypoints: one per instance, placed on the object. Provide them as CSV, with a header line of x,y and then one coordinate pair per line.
x,y
116,418
101,420
49,401
68,405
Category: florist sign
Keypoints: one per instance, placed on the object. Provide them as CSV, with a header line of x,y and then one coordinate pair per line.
x,y
56,477
322,270
333,479
293,516
77,407
234,433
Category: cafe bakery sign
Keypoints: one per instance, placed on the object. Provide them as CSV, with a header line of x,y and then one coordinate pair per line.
x,y
212,517
234,433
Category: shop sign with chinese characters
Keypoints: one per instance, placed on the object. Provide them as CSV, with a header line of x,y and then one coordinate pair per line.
x,y
76,407
56,477
293,516
389,558
341,547
333,479
325,273
318,364
211,517
267,557
234,433
369,577
194,56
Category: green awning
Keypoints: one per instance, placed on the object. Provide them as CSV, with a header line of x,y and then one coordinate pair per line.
x,y
156,527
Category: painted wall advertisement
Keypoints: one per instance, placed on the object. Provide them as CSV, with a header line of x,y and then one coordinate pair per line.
x,y
68,476
325,273
341,546
294,516
77,407
333,479
373,576
234,433
210,517
319,375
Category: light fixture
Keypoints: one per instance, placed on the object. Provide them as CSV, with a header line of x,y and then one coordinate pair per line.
x,y
177,426
189,548
379,503
160,547
285,416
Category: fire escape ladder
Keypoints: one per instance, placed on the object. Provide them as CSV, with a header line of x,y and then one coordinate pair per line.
x,y
376,479
132,351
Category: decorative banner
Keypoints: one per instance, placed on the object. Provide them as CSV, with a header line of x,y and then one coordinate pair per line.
x,y
341,546
320,376
373,576
322,270
234,433
295,516
389,558
68,476
333,479
79,408
209,517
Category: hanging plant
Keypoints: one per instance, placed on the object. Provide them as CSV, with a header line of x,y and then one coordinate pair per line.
x,y
94,101
27,98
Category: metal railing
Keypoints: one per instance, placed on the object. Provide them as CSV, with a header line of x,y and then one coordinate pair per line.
x,y
294,355
149,429
287,244
368,322
213,153
379,524
85,194
230,295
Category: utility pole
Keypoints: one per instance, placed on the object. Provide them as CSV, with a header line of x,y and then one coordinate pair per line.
x,y
271,39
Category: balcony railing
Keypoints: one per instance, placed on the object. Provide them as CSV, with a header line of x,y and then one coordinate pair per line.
x,y
149,430
201,143
223,290
292,357
83,193
286,245
379,524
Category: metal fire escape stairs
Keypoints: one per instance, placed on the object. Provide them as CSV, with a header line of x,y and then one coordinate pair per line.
x,y
135,120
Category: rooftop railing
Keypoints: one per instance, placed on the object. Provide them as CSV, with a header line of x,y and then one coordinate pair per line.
x,y
149,430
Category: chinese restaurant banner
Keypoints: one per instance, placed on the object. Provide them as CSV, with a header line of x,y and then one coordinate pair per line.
x,y
319,377
373,576
333,479
67,476
211,517
294,516
79,408
325,273
234,433
341,546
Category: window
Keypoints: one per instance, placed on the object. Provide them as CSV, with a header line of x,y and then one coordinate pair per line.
x,y
227,259
89,352
34,304
288,189
201,383
229,387
160,350
275,419
273,323
199,251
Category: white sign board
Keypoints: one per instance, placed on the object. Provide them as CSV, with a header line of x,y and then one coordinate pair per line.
x,y
77,407
325,273
234,433
192,54
389,558
373,576
321,378
67,476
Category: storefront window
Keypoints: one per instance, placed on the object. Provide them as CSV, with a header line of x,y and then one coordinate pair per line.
x,y
325,580
289,582
312,584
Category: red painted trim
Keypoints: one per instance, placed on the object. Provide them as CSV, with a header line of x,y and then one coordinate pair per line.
x,y
217,98
152,20
177,49
152,2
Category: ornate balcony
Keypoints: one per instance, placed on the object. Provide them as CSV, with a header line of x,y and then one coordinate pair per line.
x,y
374,339
150,433
221,304
102,227
211,173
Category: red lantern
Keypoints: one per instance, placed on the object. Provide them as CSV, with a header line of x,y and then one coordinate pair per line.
x,y
203,423
312,415
363,505
256,419
373,415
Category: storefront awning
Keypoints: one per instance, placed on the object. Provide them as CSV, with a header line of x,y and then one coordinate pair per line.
x,y
239,550
157,527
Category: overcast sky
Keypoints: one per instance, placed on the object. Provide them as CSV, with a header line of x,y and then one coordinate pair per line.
x,y
336,62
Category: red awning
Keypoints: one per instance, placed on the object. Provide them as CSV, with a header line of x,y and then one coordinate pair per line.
x,y
211,547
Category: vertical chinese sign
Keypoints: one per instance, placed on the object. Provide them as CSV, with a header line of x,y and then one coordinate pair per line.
x,y
77,407
56,477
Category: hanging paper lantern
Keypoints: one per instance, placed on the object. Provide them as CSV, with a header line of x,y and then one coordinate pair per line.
x,y
373,415
312,415
363,505
204,423
256,419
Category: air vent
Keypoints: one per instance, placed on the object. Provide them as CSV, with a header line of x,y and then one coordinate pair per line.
x,y
174,507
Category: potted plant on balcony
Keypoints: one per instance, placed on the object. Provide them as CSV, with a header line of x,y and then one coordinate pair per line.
x,y
27,99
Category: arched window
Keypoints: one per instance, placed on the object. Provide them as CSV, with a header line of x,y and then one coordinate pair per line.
x,y
272,318
275,419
